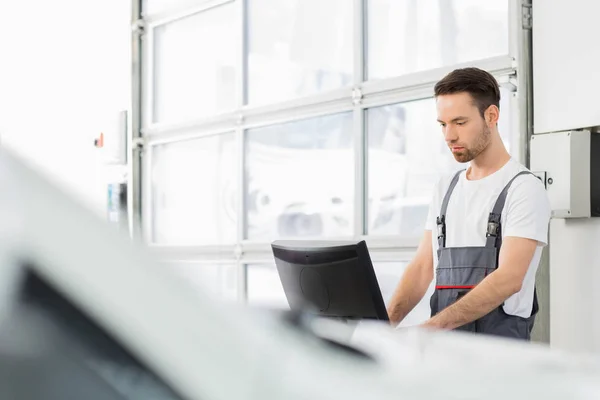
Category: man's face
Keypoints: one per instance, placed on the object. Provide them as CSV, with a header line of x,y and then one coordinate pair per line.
x,y
465,131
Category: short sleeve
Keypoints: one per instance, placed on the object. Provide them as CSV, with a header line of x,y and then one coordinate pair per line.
x,y
431,218
527,211
434,206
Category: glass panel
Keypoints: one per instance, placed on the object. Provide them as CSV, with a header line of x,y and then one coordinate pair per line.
x,y
153,7
264,287
406,36
298,47
300,179
388,275
219,280
406,156
194,74
194,190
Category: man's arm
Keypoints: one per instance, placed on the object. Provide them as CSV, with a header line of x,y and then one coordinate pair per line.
x,y
515,256
414,282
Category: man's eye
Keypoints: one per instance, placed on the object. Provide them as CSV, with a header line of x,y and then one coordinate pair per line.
x,y
460,123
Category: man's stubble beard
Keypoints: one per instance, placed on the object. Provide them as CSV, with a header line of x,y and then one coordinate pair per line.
x,y
469,154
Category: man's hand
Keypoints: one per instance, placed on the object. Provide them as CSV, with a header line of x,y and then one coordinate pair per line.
x,y
515,256
414,283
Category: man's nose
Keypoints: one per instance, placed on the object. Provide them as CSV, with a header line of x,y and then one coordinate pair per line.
x,y
450,134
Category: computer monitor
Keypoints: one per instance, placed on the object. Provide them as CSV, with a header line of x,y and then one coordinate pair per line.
x,y
330,279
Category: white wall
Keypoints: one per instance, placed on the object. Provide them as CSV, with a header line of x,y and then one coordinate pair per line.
x,y
566,59
65,65
574,277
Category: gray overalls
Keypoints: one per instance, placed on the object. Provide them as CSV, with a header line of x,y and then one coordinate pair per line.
x,y
461,268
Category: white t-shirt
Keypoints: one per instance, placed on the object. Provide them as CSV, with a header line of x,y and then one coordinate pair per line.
x,y
526,214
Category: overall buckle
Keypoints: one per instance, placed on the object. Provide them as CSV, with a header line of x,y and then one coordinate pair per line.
x,y
493,225
441,226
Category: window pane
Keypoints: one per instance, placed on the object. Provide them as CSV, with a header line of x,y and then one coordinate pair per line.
x,y
300,179
264,287
218,280
153,7
194,190
194,74
388,275
406,36
298,47
406,156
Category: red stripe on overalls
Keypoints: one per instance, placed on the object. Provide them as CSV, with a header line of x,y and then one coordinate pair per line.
x,y
455,286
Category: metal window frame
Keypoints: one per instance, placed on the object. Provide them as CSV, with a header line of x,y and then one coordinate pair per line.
x,y
524,80
512,71
358,117
185,11
368,94
383,249
411,87
147,226
150,25
242,95
134,156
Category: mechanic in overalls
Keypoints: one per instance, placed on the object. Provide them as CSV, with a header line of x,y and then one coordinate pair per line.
x,y
487,223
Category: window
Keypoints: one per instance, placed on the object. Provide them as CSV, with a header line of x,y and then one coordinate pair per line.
x,y
406,153
264,288
407,36
298,48
152,7
322,145
300,179
194,191
388,276
218,280
406,156
194,74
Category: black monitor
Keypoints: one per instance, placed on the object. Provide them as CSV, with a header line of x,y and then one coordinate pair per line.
x,y
330,279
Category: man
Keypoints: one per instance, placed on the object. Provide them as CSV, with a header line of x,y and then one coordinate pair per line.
x,y
486,227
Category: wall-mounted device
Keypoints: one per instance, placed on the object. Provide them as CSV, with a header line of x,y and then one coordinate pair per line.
x,y
111,139
568,162
111,143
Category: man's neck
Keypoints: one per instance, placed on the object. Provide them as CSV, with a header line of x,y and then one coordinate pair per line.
x,y
488,161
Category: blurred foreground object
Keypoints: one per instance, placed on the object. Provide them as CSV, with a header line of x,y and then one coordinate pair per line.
x,y
87,314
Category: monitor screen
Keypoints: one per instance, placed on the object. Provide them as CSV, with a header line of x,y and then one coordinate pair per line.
x,y
331,279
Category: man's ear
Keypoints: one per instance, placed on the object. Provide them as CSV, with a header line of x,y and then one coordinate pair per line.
x,y
491,115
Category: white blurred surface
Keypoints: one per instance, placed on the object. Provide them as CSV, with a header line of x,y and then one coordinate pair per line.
x,y
64,72
198,343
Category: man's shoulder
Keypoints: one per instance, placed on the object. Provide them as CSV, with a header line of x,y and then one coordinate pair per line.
x,y
527,196
525,183
527,210
440,187
443,181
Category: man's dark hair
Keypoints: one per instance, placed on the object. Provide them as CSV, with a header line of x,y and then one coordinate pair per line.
x,y
480,84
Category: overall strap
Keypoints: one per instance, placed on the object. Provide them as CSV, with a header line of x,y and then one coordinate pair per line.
x,y
494,234
441,219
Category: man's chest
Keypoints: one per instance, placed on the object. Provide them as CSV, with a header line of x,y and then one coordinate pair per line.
x,y
467,216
